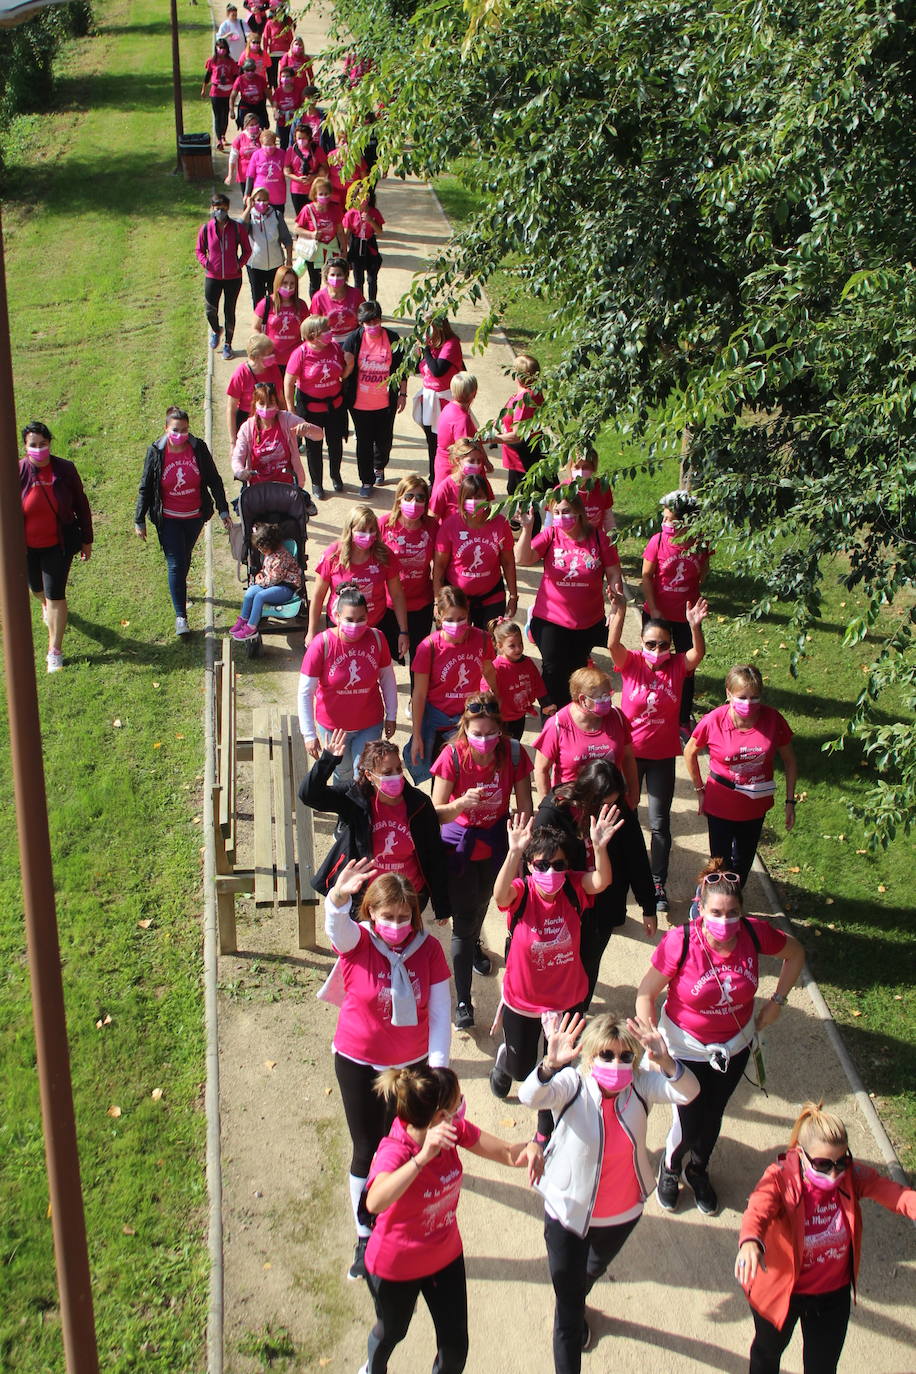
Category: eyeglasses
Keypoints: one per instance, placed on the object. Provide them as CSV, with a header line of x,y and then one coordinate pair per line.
x,y
829,1166
545,865
656,643
609,1057
482,708
710,879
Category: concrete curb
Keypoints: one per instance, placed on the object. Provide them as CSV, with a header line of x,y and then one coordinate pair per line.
x,y
863,1101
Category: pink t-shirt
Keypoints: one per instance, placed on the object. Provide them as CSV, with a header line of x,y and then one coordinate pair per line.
x,y
453,669
474,553
327,218
364,1030
180,484
305,165
567,746
518,686
571,591
618,1186
444,498
414,552
712,995
372,578
222,72
597,501
341,313
544,969
393,849
282,328
271,455
243,382
318,375
250,87
286,103
363,226
458,763
454,423
450,352
373,372
245,148
826,1258
266,169
418,1235
349,696
742,756
678,575
650,698
519,407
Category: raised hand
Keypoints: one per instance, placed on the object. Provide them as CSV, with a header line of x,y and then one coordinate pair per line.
x,y
604,826
353,877
438,1138
519,829
563,1041
337,744
698,612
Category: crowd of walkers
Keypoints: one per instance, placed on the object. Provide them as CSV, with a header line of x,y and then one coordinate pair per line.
x,y
467,813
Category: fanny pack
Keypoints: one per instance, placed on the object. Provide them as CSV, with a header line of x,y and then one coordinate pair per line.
x,y
748,789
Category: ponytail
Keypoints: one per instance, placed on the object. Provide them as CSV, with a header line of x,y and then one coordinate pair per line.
x,y
418,1093
813,1123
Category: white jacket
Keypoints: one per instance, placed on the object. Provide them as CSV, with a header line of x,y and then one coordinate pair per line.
x,y
572,1160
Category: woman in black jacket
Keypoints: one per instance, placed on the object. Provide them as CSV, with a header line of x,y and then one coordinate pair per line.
x,y
179,488
372,392
381,817
569,808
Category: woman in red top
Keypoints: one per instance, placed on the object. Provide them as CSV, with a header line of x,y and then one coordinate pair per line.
x,y
411,536
305,160
267,448
58,524
280,316
743,738
361,556
261,365
801,1242
249,95
475,551
414,1188
321,222
314,389
338,301
279,32
285,100
674,568
477,774
220,72
593,491
521,451
440,359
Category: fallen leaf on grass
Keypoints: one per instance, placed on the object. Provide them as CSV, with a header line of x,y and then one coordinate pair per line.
x,y
156,1094
125,623
796,869
270,1063
158,744
857,1013
898,997
145,923
861,851
104,1021
156,685
128,1231
179,736
117,723
881,887
114,1111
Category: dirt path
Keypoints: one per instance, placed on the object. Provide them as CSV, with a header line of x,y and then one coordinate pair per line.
x,y
672,1303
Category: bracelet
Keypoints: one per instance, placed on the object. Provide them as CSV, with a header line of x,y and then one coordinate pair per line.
x,y
701,788
779,999
539,1138
402,632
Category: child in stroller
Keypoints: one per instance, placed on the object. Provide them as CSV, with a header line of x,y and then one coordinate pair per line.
x,y
279,581
270,542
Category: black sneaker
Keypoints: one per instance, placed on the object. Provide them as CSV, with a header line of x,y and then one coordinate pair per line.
x,y
500,1082
318,491
668,1187
464,1016
482,962
365,492
357,1269
661,900
337,484
703,1191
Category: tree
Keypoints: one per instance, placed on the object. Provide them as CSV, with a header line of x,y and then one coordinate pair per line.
x,y
717,202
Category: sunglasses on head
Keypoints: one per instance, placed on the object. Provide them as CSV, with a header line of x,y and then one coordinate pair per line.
x,y
829,1166
710,879
482,708
609,1057
545,865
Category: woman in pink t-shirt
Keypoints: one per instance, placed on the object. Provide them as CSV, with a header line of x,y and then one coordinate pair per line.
x,y
304,160
650,696
391,984
267,446
801,1241
455,422
593,491
364,223
468,459
260,365
321,220
414,1189
590,727
314,390
520,451
475,551
360,556
280,316
220,72
477,775
410,533
568,618
597,1175
347,683
440,359
674,568
742,738
338,301
372,355
709,970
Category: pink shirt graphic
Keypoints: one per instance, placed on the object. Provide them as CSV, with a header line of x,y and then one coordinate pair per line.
x,y
544,969
243,382
180,485
453,669
266,169
826,1260
741,756
650,698
373,372
282,328
372,578
567,746
340,313
414,551
349,696
364,1030
571,593
393,849
518,686
317,374
712,995
496,784
475,553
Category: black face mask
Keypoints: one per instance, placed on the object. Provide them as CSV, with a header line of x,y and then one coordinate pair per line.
x,y
219,213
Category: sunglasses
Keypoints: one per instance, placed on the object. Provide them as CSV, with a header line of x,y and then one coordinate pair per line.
x,y
656,643
710,879
829,1166
482,708
609,1057
545,865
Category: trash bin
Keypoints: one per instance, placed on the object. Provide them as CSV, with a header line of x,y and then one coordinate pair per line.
x,y
195,157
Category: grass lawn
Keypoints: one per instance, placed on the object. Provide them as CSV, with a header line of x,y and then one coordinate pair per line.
x,y
853,908
107,328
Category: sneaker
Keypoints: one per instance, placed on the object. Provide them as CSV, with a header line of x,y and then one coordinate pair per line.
x,y
238,625
337,484
464,1016
482,962
379,476
214,337
668,1187
357,1269
55,660
586,1336
246,632
703,1191
181,625
500,1082
661,900
318,491
365,492
227,350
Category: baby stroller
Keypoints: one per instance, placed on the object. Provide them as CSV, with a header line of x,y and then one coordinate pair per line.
x,y
272,503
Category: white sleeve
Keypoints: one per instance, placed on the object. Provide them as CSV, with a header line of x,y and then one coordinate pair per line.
x,y
307,688
389,692
440,1027
340,928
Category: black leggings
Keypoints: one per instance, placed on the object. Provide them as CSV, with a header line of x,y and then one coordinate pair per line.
x,y
483,609
366,270
576,1264
369,1116
333,422
48,570
824,1318
735,842
374,436
220,105
562,652
228,288
432,443
419,624
697,1124
523,1040
599,922
260,279
445,1294
469,895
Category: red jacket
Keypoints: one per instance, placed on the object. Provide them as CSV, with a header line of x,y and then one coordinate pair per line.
x,y
222,251
775,1216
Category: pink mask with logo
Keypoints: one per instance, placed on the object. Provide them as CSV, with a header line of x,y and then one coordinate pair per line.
x,y
653,656
392,784
353,629
266,412
567,519
176,439
453,628
363,539
484,744
550,882
612,1077
599,706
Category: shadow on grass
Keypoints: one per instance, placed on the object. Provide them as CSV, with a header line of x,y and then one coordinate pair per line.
x,y
160,26
174,653
141,182
124,92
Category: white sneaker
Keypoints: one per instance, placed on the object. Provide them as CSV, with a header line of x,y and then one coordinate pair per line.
x,y
181,625
55,661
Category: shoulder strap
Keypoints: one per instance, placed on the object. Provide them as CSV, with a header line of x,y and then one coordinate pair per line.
x,y
685,947
519,911
567,1106
515,751
572,896
754,937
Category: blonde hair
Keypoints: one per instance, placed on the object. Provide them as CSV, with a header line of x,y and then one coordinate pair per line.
x,y
418,1093
525,367
259,346
465,448
744,675
406,484
320,186
585,680
463,386
813,1123
460,737
392,889
313,326
605,1030
361,517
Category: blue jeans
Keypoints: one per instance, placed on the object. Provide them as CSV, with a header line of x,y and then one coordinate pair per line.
x,y
356,743
177,538
434,721
256,598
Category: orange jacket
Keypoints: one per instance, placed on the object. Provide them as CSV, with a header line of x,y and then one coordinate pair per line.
x,y
775,1216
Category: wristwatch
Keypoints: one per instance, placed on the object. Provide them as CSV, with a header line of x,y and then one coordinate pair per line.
x,y
779,999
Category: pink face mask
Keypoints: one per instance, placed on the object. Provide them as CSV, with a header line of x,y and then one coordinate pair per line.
x,y
262,206
363,539
335,281
599,706
612,1077
287,292
176,439
392,784
484,744
373,330
824,1183
472,506
38,453
580,475
268,360
550,882
721,927
392,934
353,629
453,628
266,412
412,509
668,526
471,467
654,656
323,200
567,519
744,708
